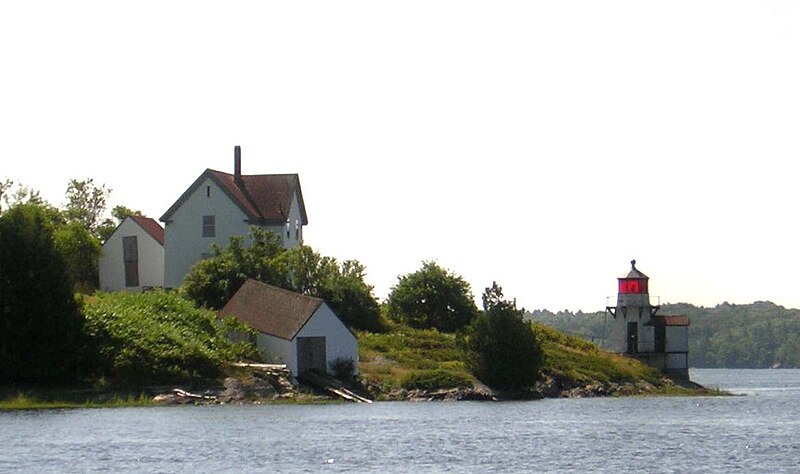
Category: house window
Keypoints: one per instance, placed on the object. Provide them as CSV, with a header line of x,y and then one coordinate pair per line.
x,y
209,226
208,191
130,258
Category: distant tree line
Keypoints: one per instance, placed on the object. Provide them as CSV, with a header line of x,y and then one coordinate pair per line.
x,y
757,335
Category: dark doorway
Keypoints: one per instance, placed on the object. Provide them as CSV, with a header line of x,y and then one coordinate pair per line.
x,y
661,338
633,338
311,354
130,257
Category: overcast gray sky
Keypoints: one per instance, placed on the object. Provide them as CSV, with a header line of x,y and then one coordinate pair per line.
x,y
539,144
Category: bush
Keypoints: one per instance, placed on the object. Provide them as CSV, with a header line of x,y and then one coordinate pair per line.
x,y
437,379
432,297
502,349
344,370
212,282
158,337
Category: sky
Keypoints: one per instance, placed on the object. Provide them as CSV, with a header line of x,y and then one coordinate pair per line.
x,y
539,144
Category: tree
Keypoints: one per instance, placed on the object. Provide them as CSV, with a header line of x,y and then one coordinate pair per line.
x,y
432,297
501,348
212,282
40,323
341,285
81,253
86,203
21,195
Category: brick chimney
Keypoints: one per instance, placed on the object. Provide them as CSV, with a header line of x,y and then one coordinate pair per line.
x,y
237,164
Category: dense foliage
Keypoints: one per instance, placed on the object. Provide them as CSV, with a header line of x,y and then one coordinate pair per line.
x,y
432,297
212,282
159,337
40,323
502,349
78,229
81,252
341,285
757,335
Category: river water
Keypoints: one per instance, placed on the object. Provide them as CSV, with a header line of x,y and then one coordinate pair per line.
x,y
756,432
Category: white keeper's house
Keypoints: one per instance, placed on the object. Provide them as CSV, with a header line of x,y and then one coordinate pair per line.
x,y
220,205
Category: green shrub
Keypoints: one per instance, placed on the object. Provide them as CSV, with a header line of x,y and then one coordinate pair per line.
x,y
436,379
158,337
432,297
344,369
502,348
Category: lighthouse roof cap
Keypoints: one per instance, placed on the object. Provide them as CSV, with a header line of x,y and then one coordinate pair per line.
x,y
635,273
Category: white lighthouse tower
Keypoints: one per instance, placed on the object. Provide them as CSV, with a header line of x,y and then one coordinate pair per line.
x,y
659,340
632,332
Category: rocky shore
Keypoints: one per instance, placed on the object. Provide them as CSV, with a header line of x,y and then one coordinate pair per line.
x,y
257,387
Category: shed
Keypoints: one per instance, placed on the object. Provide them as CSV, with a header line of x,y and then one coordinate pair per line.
x,y
300,331
132,257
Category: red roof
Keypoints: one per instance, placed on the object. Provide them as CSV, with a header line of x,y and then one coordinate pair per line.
x,y
264,198
671,320
151,227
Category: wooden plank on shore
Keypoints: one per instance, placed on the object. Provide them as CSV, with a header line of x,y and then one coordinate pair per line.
x,y
334,386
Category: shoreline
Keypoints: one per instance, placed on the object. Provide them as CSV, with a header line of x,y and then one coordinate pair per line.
x,y
252,389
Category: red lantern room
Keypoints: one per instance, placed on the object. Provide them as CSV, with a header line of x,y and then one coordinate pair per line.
x,y
634,283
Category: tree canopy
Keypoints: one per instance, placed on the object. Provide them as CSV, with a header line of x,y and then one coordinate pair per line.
x,y
432,297
86,203
212,282
501,347
40,323
79,229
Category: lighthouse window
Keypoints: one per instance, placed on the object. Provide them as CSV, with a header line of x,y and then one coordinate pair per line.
x,y
632,286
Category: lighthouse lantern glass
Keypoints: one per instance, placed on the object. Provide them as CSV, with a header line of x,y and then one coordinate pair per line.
x,y
632,286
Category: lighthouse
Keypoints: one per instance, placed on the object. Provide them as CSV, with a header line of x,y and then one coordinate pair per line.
x,y
632,332
637,330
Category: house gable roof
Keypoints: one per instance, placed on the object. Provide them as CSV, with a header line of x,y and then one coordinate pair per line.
x,y
151,227
271,310
264,198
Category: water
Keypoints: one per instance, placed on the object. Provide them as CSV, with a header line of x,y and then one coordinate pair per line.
x,y
757,432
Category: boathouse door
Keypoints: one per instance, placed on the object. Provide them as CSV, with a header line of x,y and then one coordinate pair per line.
x,y
311,354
